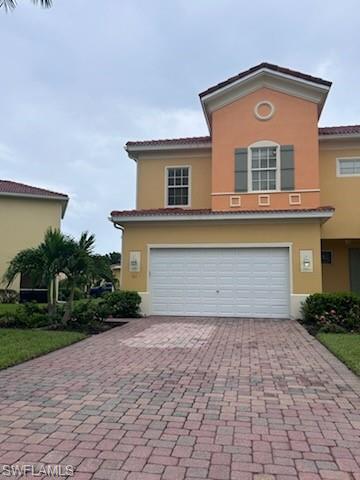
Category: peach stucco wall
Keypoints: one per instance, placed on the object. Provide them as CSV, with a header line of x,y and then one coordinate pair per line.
x,y
236,126
280,200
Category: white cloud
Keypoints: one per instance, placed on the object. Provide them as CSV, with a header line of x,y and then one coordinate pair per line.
x,y
161,123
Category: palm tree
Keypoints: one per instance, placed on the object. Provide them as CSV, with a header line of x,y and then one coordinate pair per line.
x,y
11,4
77,267
29,261
54,249
59,253
43,264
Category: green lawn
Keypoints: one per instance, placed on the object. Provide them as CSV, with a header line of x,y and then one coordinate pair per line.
x,y
17,345
345,346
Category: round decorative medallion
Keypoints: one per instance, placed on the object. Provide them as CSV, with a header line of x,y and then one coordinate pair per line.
x,y
264,110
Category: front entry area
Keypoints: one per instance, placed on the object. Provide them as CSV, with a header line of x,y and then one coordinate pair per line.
x,y
354,260
341,265
226,282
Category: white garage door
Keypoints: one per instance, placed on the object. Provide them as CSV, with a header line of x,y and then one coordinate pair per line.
x,y
230,282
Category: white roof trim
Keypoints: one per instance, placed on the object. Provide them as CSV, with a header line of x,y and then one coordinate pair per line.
x,y
339,136
274,73
133,150
223,216
263,78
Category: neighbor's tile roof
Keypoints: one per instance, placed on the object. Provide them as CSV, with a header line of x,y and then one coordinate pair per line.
x,y
206,211
339,130
269,66
15,188
170,141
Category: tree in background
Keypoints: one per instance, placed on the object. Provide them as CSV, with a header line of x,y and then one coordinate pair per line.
x,y
114,258
100,270
11,4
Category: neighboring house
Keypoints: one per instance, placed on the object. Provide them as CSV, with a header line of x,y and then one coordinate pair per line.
x,y
25,214
116,270
251,219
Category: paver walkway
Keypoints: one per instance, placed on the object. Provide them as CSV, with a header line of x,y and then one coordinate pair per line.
x,y
175,398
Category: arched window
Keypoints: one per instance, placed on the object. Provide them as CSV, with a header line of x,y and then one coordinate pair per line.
x,y
264,166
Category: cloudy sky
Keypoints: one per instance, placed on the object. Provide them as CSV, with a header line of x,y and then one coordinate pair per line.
x,y
80,79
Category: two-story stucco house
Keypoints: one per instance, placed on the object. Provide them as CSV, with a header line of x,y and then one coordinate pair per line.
x,y
26,212
251,219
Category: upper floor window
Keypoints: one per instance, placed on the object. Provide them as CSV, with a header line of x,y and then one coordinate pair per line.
x,y
178,186
348,167
264,167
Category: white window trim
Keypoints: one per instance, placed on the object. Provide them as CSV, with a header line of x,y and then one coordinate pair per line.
x,y
264,143
167,168
338,161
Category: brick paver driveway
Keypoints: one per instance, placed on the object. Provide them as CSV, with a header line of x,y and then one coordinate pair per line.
x,y
177,398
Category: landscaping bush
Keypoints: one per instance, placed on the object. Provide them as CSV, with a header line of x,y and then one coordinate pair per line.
x,y
332,312
27,315
88,316
9,296
123,304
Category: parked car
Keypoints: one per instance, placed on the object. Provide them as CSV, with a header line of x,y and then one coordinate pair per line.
x,y
101,290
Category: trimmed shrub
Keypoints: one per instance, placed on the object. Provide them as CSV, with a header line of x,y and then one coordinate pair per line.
x,y
27,315
9,296
332,312
88,316
123,304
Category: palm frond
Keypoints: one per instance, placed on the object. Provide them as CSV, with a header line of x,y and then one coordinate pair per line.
x,y
8,4
11,4
87,242
43,3
29,261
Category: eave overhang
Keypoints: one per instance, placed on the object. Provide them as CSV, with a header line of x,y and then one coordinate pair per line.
x,y
322,214
134,151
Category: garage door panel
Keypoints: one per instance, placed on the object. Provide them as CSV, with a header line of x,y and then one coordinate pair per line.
x,y
224,282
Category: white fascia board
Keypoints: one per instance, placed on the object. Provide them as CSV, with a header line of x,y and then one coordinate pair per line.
x,y
340,136
224,216
264,78
133,151
324,88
